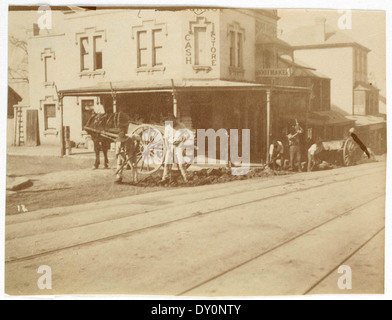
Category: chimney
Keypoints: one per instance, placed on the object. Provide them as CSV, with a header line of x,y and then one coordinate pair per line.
x,y
320,30
36,29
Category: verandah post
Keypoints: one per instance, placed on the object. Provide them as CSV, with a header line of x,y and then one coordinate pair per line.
x,y
268,92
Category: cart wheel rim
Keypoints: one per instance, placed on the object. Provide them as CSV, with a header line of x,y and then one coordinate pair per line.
x,y
151,153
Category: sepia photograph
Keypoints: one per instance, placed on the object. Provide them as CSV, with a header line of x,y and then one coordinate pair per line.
x,y
195,152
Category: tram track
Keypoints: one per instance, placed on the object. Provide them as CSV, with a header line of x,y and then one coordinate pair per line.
x,y
248,188
288,241
198,214
314,286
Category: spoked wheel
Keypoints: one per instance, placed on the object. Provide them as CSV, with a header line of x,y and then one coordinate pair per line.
x,y
350,151
151,153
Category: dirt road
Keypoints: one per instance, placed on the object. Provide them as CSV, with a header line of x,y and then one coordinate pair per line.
x,y
58,182
283,236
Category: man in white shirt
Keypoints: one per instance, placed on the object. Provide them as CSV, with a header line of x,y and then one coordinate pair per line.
x,y
99,109
175,139
276,154
313,154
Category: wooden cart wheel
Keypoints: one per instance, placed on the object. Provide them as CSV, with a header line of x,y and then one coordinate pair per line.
x,y
151,155
349,152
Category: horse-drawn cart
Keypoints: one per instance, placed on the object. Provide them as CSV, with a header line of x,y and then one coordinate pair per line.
x,y
152,148
151,153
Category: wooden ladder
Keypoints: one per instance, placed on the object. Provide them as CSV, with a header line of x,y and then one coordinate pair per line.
x,y
19,132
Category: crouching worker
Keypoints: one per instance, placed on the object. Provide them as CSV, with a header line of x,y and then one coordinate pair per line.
x,y
276,154
313,155
126,153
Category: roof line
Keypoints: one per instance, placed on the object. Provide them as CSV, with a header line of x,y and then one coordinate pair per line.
x,y
331,45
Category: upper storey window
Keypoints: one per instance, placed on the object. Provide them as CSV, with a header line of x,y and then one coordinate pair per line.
x,y
91,54
142,58
157,47
150,46
236,36
91,48
84,54
98,60
48,57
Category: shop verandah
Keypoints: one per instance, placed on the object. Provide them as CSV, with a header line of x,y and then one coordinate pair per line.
x,y
212,104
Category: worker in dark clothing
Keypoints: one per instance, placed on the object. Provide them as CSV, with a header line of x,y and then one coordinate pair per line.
x,y
359,142
295,146
100,144
127,149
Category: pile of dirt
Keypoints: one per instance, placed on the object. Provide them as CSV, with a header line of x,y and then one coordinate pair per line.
x,y
206,177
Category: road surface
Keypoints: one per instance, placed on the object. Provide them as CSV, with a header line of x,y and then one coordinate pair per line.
x,y
282,236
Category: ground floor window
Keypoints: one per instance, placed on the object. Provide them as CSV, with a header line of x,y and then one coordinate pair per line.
x,y
87,108
50,116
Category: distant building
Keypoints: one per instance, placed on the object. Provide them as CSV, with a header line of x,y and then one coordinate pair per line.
x,y
345,61
274,55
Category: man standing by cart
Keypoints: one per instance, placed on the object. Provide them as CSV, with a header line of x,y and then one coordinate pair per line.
x,y
100,144
175,137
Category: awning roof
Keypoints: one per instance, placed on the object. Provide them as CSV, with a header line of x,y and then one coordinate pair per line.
x,y
329,118
166,86
300,69
367,120
263,39
297,63
321,118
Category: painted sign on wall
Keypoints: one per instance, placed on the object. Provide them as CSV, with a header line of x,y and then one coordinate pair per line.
x,y
275,73
201,44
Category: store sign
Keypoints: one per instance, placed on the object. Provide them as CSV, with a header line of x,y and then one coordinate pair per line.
x,y
274,73
209,53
